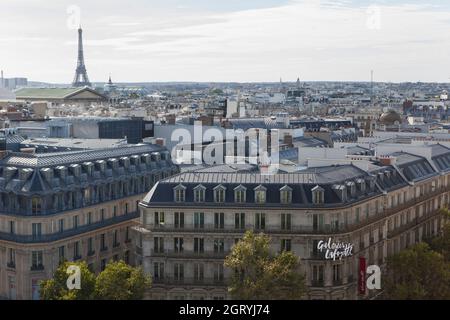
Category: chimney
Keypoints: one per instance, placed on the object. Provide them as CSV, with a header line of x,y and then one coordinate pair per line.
x,y
387,160
159,142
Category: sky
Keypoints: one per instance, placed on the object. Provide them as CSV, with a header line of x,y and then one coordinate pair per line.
x,y
227,40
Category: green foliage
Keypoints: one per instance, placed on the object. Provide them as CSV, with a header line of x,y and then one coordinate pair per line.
x,y
56,288
119,281
260,275
417,273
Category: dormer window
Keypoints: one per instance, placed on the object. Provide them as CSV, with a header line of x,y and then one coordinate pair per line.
x,y
240,194
361,185
260,194
180,193
318,195
286,195
219,194
341,192
199,193
351,188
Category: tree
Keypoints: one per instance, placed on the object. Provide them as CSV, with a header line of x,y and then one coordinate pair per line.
x,y
119,281
56,288
441,243
417,273
259,275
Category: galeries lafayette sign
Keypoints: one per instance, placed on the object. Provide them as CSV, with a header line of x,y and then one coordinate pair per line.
x,y
335,250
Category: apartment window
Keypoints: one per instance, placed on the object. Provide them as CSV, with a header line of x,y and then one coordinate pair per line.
x,y
11,258
286,195
336,273
115,211
103,246
61,225
116,242
285,244
126,209
218,272
199,220
126,257
90,244
357,215
127,234
75,222
36,205
219,194
199,245
36,260
318,275
240,194
180,193
159,219
260,194
36,230
76,250
12,227
318,195
61,253
199,271
178,271
179,219
239,220
260,221
158,244
199,193
285,221
219,245
158,270
219,220
178,244
102,264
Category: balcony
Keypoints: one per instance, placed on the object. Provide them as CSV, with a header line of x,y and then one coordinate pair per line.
x,y
38,267
67,233
189,254
317,283
171,281
11,265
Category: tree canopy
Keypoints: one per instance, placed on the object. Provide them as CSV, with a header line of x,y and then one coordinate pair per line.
x,y
261,275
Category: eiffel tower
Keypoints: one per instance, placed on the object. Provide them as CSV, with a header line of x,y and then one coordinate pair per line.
x,y
81,78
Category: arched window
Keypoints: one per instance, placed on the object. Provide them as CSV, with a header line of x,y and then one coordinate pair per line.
x,y
219,194
260,194
179,193
240,194
199,193
318,195
286,195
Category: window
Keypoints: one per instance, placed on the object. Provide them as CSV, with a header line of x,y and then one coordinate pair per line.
x,y
218,272
178,244
178,271
199,220
158,270
12,227
159,219
61,253
179,219
75,222
116,242
90,244
127,234
219,220
219,194
260,194
318,195
61,225
102,264
36,205
285,221
286,195
115,211
240,194
11,258
76,250
317,222
36,260
219,245
36,230
336,274
158,244
199,245
126,257
199,271
180,193
199,193
285,245
318,275
103,246
239,220
126,209
260,221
